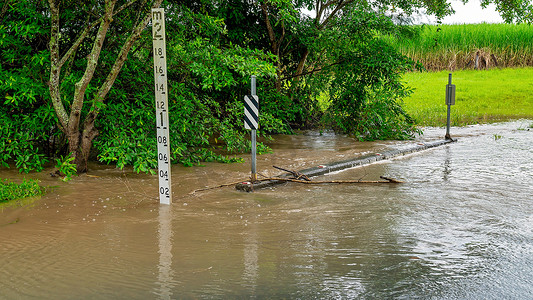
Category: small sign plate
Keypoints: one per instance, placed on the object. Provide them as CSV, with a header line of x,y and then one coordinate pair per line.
x,y
450,94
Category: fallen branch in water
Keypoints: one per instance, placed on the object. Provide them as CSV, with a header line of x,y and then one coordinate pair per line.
x,y
387,180
297,175
216,187
391,180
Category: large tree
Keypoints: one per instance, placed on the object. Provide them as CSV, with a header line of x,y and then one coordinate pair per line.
x,y
56,84
335,51
94,27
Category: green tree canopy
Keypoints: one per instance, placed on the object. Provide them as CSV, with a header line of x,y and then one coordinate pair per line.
x,y
76,77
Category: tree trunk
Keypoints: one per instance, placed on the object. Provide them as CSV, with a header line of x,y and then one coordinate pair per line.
x,y
301,64
275,44
80,143
80,151
80,138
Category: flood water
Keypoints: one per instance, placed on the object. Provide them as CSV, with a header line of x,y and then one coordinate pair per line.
x,y
460,227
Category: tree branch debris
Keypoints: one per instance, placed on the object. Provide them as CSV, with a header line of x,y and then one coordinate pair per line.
x,y
299,178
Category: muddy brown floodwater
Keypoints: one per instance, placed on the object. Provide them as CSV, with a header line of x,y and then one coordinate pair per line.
x,y
460,227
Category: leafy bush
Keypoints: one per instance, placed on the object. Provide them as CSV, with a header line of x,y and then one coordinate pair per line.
x,y
207,83
65,167
27,122
11,191
23,139
366,90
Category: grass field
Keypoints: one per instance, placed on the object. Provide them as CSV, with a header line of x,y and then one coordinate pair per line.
x,y
451,47
481,96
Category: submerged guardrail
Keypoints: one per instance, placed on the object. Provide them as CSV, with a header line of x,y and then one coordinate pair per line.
x,y
345,164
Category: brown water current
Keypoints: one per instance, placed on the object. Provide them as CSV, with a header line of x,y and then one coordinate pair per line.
x,y
460,227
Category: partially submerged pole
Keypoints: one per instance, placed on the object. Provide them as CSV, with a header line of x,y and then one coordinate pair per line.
x,y
450,100
254,139
251,121
161,106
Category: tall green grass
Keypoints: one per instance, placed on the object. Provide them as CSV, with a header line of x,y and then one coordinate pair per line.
x,y
481,96
451,47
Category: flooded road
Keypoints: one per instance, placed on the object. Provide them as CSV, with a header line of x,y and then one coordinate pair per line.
x,y
460,227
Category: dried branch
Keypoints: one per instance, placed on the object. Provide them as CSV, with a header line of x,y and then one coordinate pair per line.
x,y
387,181
296,174
216,187
315,70
4,9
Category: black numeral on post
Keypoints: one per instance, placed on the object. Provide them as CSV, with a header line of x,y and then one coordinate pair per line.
x,y
157,34
162,139
164,191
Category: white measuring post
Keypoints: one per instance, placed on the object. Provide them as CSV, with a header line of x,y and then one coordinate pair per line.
x,y
161,105
251,121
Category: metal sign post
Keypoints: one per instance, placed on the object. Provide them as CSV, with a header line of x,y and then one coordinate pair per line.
x,y
251,121
161,105
450,100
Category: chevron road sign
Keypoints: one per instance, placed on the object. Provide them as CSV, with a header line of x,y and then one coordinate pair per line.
x,y
251,112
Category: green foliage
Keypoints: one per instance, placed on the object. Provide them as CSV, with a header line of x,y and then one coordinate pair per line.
x,y
517,11
363,83
337,71
207,82
26,121
23,139
23,57
12,191
208,79
66,167
124,136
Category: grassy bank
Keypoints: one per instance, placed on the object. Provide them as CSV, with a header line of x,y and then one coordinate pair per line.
x,y
482,96
452,47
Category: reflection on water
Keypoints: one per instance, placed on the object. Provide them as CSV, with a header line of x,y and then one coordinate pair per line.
x,y
460,227
250,257
447,164
165,277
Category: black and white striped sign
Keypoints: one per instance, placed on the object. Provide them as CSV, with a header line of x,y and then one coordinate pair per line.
x,y
251,112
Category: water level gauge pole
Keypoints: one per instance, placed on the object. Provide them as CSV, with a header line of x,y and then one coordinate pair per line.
x,y
450,100
161,105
